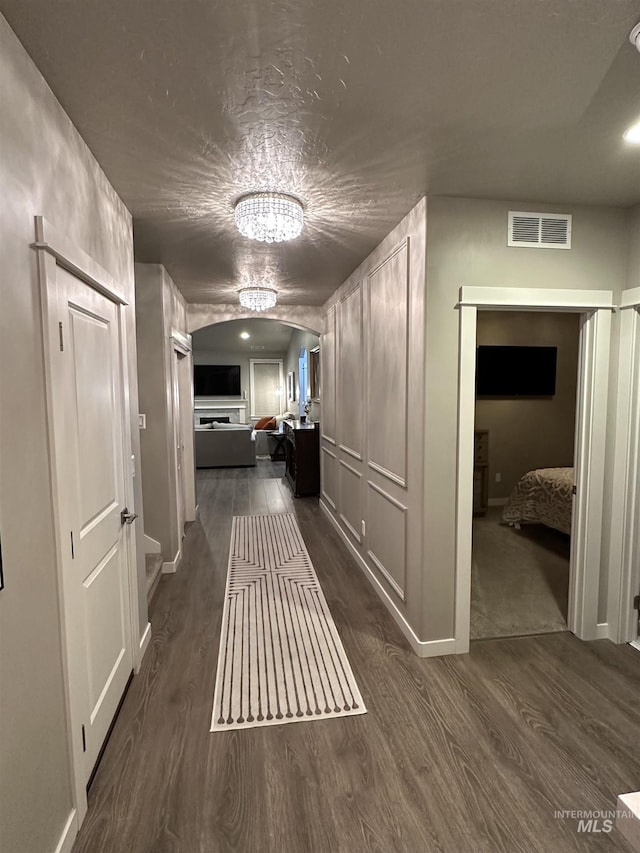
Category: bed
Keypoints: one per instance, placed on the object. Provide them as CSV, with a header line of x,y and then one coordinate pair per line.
x,y
543,496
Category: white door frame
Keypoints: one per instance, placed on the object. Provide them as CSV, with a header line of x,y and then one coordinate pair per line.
x,y
624,555
181,344
596,307
54,249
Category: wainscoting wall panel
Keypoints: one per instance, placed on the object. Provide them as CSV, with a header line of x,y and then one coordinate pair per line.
x,y
373,452
328,379
388,336
328,477
351,499
387,549
349,374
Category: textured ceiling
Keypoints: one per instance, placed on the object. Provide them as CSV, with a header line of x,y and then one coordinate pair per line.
x,y
225,337
359,107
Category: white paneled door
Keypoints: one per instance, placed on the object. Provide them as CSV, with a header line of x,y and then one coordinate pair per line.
x,y
88,380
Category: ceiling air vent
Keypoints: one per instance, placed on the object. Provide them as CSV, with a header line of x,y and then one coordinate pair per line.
x,y
253,347
539,230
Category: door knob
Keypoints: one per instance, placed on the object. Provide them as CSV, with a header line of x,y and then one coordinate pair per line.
x,y
127,517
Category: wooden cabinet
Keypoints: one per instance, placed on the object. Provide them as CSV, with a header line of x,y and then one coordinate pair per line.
x,y
481,472
302,457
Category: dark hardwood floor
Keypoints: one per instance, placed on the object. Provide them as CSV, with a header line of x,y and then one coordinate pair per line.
x,y
462,754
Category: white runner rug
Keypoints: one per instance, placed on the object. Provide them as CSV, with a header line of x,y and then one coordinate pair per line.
x,y
281,659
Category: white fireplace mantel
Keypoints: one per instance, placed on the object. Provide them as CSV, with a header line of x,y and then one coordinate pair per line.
x,y
209,405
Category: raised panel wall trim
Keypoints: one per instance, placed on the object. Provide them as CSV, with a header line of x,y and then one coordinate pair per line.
x,y
388,474
350,469
329,501
387,496
351,529
404,243
329,439
350,292
395,586
351,452
422,648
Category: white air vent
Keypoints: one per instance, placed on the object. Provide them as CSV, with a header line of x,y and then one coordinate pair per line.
x,y
539,230
256,347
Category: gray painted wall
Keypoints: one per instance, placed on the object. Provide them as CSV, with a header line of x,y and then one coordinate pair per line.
x,y
45,168
467,246
160,308
530,433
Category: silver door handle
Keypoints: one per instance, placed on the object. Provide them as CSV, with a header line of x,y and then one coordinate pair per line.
x,y
127,517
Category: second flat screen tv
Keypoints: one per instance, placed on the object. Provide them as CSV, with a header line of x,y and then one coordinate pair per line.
x,y
216,380
516,371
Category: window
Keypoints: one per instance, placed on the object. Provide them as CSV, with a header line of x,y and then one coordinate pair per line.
x,y
265,381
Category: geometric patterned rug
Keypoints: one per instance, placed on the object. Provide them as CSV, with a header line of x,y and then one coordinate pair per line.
x,y
281,659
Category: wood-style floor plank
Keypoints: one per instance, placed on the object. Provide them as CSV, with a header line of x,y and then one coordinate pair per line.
x,y
457,754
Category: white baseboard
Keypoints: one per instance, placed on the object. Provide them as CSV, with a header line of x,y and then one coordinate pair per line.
x,y
498,501
151,546
628,818
144,645
602,631
173,566
69,834
635,644
423,648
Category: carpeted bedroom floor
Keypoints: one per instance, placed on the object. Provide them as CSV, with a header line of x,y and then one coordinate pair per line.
x,y
519,579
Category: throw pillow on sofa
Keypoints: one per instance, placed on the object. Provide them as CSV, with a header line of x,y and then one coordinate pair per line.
x,y
266,423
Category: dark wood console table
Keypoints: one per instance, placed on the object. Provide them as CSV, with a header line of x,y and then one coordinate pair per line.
x,y
302,456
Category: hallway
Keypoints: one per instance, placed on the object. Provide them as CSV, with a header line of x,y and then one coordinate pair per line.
x,y
469,753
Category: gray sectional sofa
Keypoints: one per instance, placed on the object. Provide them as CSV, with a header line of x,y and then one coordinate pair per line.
x,y
225,445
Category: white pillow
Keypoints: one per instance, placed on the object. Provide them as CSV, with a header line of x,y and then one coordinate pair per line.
x,y
218,425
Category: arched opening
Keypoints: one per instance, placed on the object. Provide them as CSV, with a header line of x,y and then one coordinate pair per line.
x,y
250,375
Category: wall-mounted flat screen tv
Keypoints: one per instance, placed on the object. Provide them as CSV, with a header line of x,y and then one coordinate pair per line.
x,y
216,380
516,371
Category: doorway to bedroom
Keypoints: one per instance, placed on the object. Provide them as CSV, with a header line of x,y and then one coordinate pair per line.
x,y
525,414
594,308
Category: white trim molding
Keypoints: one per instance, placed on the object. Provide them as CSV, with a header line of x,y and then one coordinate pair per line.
x,y
144,645
422,648
596,307
172,566
534,299
69,833
624,552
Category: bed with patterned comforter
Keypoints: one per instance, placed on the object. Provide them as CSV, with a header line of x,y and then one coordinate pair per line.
x,y
543,496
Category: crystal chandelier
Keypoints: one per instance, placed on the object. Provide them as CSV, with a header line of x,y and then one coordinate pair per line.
x,y
269,217
257,297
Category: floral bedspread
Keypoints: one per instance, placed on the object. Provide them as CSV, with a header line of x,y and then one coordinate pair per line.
x,y
543,496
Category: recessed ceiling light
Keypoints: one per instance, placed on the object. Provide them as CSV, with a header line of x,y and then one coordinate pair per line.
x,y
633,134
244,335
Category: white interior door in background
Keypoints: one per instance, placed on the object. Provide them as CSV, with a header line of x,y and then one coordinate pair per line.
x,y
267,392
92,479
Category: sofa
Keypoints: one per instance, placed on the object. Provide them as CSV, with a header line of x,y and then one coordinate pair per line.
x,y
224,446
